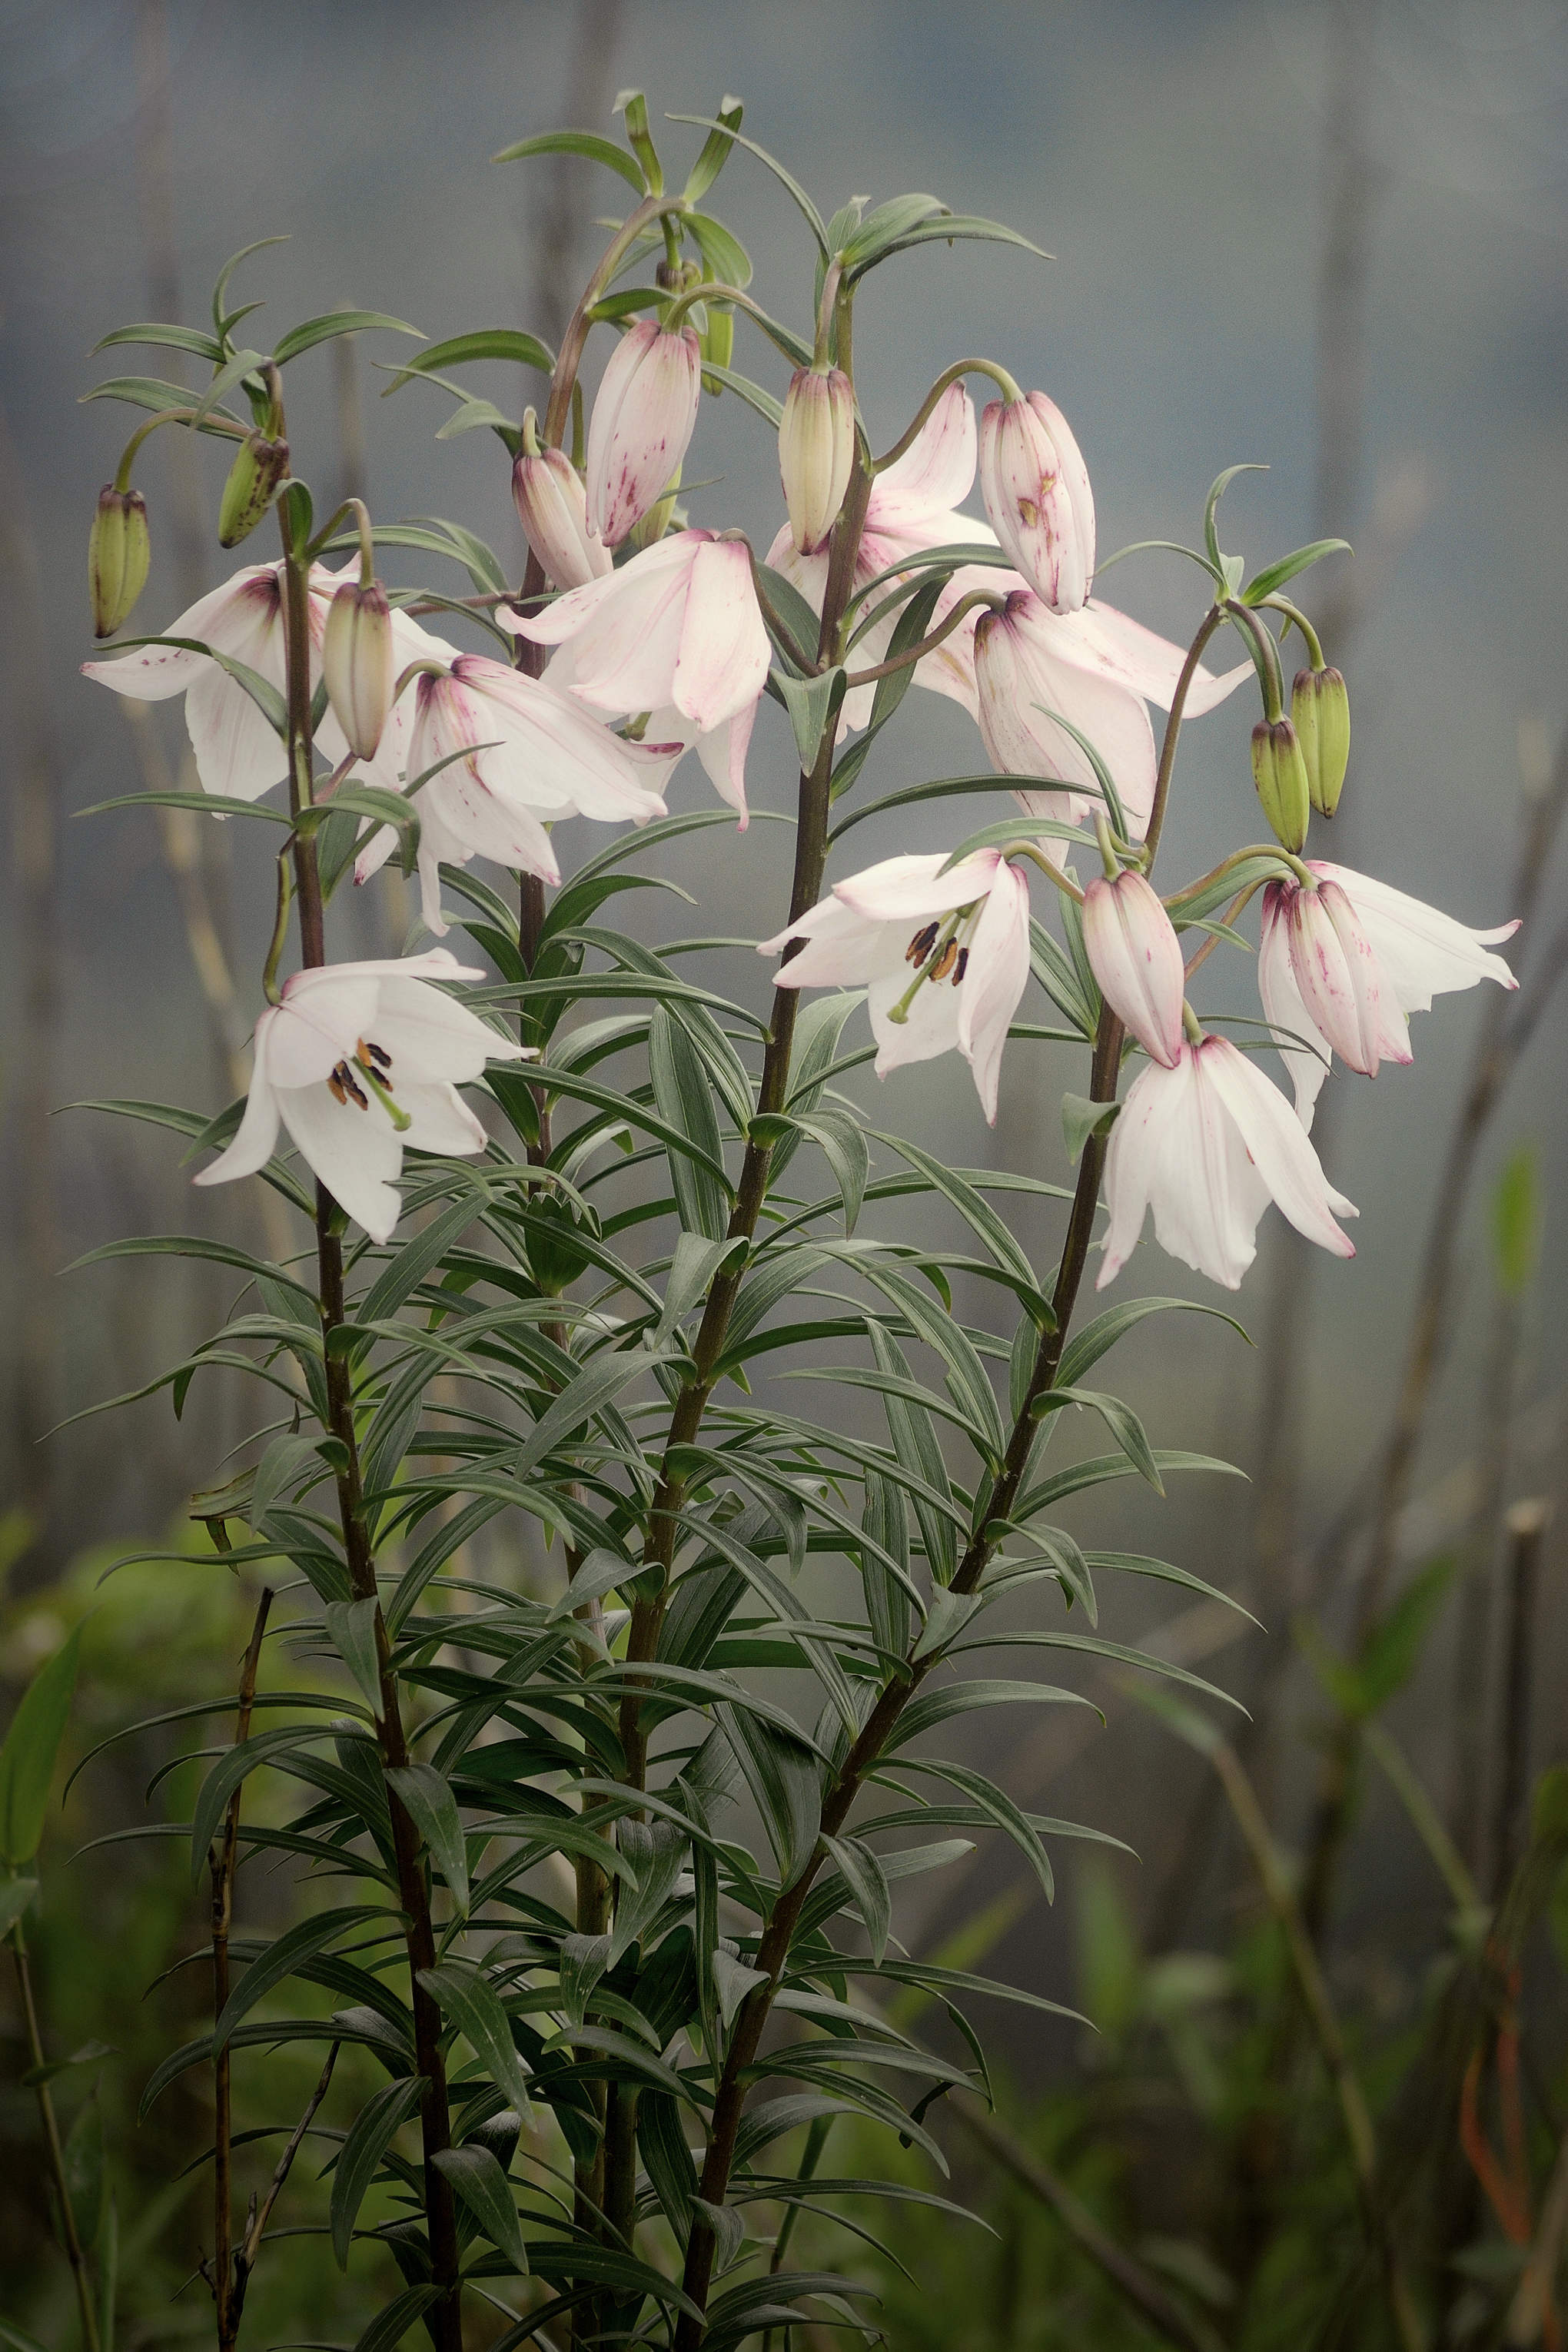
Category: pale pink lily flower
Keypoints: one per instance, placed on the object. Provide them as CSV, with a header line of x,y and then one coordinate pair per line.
x,y
1136,957
1100,670
357,1061
239,753
552,508
1036,492
645,413
943,957
677,634
1208,1145
1341,965
533,755
912,507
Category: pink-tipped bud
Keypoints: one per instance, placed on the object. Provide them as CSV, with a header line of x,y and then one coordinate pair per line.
x,y
358,663
1334,967
1279,773
816,449
643,419
1136,957
1036,488
552,508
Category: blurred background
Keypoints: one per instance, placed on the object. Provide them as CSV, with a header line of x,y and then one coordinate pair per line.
x,y
1327,237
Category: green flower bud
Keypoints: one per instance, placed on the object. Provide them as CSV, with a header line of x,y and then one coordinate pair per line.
x,y
1320,707
247,493
358,663
1280,774
650,528
118,554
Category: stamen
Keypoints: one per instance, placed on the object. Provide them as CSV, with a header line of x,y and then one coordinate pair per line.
x,y
944,961
347,1088
381,1087
962,967
376,1053
336,1085
920,946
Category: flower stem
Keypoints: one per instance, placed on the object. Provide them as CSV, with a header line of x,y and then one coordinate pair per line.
x,y
223,1861
74,2255
413,1883
949,376
1155,826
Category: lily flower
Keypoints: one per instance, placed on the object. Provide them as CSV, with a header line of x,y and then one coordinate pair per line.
x,y
1207,1144
912,507
676,634
645,413
1036,492
943,957
552,507
239,752
533,754
1341,963
1100,670
1136,957
357,1062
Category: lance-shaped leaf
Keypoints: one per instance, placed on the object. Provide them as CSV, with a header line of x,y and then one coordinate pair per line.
x,y
782,1776
31,1746
426,1798
289,1953
370,2135
393,2320
471,2004
229,1772
655,1851
481,2185
862,1874
351,1624
685,1101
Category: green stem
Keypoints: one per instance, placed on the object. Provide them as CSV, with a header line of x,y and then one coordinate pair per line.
x,y
1298,619
1266,656
1156,824
949,376
74,2254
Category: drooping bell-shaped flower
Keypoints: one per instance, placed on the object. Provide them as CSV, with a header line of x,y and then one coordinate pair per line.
x,y
1036,488
1098,670
676,632
644,416
913,506
816,449
552,508
1340,964
119,550
359,663
356,1062
943,957
1136,957
525,755
1207,1144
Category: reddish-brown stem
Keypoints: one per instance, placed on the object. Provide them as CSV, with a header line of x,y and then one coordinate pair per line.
x,y
223,1861
413,1885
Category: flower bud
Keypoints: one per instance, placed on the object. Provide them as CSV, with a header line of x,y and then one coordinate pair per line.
x,y
118,554
1320,709
1280,774
553,512
247,493
1037,496
650,528
1136,957
358,663
1336,971
644,416
816,449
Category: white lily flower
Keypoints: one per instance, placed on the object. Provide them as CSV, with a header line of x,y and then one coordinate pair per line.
x,y
239,753
356,1062
943,957
1341,965
645,413
1036,492
912,507
1136,957
1207,1144
1100,669
534,754
676,632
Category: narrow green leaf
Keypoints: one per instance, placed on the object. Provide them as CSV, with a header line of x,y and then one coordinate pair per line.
x,y
782,1773
862,1874
463,1995
290,1952
31,1746
393,2320
16,1894
230,1773
426,1798
809,213
370,2135
1275,575
578,142
305,338
482,2186
715,151
351,1624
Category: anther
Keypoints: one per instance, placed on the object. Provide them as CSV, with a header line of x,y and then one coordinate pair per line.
x,y
944,961
920,946
962,966
376,1053
347,1088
